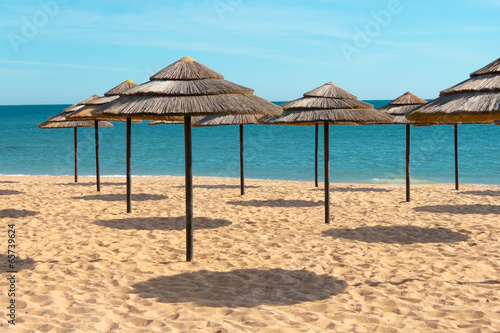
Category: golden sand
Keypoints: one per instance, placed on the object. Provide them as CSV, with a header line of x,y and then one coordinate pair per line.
x,y
265,262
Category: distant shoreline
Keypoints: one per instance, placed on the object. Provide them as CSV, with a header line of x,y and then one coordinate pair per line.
x,y
66,104
236,180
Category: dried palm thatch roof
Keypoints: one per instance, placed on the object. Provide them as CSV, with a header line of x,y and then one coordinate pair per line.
x,y
59,117
72,124
186,69
121,88
328,103
185,88
401,106
79,106
476,100
234,119
88,105
59,121
101,100
492,68
73,108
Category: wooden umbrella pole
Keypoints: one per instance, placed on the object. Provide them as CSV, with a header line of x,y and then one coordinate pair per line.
x,y
76,153
242,162
97,166
326,131
129,165
189,187
316,139
456,157
407,162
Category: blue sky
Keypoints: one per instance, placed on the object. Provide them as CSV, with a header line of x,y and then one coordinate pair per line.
x,y
63,51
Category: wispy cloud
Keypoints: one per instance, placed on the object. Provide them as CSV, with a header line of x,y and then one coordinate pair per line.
x,y
16,72
253,29
49,64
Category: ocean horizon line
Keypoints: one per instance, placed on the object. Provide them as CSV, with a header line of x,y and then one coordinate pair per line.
x,y
56,104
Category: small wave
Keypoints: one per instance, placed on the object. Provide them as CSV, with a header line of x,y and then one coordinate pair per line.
x,y
82,176
400,181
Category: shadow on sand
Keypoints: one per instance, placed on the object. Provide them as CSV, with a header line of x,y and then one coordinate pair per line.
x,y
490,193
460,209
220,186
241,288
359,189
16,213
348,189
19,264
162,223
9,192
91,184
8,182
397,235
278,203
122,197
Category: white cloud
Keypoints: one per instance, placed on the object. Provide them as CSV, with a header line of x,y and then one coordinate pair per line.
x,y
48,64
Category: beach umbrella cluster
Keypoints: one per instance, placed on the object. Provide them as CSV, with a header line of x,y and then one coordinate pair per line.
x,y
328,104
398,108
185,89
60,121
189,93
84,113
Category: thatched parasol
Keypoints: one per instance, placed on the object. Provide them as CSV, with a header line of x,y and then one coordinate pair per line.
x,y
476,100
84,113
473,101
79,106
185,88
398,108
328,104
224,120
88,105
59,121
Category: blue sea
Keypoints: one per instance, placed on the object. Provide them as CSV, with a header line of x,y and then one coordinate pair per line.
x,y
359,154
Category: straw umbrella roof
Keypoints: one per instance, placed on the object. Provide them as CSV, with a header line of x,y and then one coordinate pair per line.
x,y
328,103
72,124
59,121
186,88
121,88
471,101
401,106
79,106
90,104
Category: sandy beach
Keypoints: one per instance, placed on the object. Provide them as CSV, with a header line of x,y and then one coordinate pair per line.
x,y
264,262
